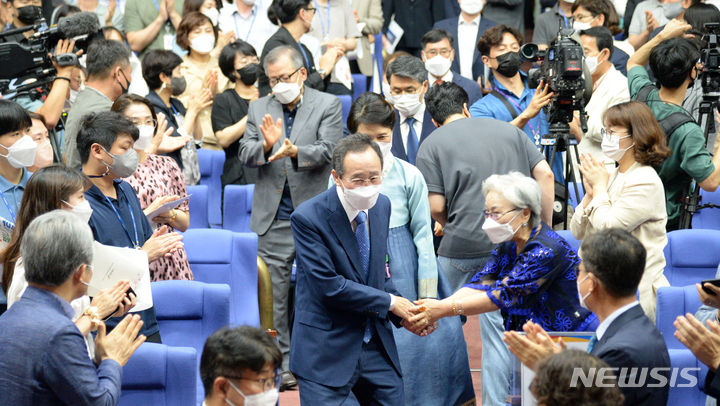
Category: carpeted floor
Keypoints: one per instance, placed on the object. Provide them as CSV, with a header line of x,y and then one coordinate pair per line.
x,y
472,337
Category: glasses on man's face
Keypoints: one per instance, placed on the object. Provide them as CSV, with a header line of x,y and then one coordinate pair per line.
x,y
23,3
357,182
266,384
283,78
445,53
606,133
149,122
496,216
311,10
583,18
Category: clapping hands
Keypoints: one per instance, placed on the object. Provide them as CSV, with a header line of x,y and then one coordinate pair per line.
x,y
533,346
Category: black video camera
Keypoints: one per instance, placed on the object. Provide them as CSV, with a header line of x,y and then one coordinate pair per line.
x,y
563,70
24,60
710,57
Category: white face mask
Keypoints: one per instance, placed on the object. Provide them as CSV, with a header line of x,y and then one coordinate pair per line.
x,y
578,26
146,134
212,13
438,66
611,147
592,63
86,283
386,93
361,198
82,210
269,398
249,2
386,149
472,7
408,104
499,233
287,92
73,96
22,153
582,298
203,44
44,155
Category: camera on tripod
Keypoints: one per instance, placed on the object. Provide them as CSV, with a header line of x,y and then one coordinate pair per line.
x,y
563,70
25,60
710,57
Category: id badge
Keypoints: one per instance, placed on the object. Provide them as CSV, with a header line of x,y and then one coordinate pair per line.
x,y
168,42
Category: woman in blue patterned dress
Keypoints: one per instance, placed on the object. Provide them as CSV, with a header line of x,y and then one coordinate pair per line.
x,y
435,368
531,273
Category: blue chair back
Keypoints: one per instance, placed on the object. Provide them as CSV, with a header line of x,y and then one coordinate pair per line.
x,y
211,168
188,312
359,85
708,218
221,256
571,193
159,375
237,208
198,206
673,301
684,393
691,256
567,235
346,104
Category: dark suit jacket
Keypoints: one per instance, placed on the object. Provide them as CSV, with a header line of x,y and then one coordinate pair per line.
x,y
471,87
633,341
283,37
333,299
712,385
451,25
416,17
398,149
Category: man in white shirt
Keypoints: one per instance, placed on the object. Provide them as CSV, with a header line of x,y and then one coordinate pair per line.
x,y
407,77
249,20
613,261
467,30
438,55
610,87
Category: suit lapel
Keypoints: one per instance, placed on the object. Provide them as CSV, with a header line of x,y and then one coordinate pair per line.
x,y
428,126
454,33
376,226
622,320
481,30
303,114
398,149
340,225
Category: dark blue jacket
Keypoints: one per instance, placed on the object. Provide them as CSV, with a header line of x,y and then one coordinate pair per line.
x,y
398,149
451,25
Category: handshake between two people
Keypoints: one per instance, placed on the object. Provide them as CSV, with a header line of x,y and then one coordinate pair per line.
x,y
418,317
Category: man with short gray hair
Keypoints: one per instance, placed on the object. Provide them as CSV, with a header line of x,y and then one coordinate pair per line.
x,y
408,82
290,136
43,358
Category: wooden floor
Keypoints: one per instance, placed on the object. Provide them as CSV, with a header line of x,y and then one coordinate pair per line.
x,y
474,346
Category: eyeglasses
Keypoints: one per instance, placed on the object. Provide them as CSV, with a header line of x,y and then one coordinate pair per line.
x,y
283,78
583,17
445,53
609,133
149,122
311,9
375,180
408,91
266,384
496,216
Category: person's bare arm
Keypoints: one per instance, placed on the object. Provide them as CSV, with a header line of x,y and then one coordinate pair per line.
x,y
673,29
139,40
710,184
545,178
541,98
53,106
230,134
438,210
638,40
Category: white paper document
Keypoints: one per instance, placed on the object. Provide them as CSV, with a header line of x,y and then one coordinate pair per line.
x,y
113,264
6,229
393,35
166,207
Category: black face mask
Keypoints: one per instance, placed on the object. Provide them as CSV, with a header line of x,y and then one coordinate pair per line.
x,y
29,14
509,64
249,74
178,85
124,89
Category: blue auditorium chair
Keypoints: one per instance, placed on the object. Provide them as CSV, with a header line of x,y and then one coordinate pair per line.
x,y
159,375
188,312
237,208
221,256
683,393
359,85
346,104
691,256
211,168
708,218
378,61
567,235
575,200
198,206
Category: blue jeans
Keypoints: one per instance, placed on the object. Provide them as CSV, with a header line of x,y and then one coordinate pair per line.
x,y
459,271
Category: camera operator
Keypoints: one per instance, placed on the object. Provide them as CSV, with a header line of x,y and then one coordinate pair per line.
x,y
24,12
673,62
609,88
54,103
499,47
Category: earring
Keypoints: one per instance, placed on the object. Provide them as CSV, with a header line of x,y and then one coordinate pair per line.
x,y
524,224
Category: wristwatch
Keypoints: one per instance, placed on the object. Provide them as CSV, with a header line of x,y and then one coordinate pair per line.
x,y
322,72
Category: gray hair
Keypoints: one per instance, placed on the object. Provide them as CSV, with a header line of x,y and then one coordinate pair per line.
x,y
407,66
54,246
352,143
519,190
296,60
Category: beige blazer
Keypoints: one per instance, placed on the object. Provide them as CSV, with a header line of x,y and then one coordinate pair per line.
x,y
635,202
369,12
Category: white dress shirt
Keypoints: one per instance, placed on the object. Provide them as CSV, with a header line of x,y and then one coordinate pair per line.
x,y
418,126
254,29
602,328
467,33
447,77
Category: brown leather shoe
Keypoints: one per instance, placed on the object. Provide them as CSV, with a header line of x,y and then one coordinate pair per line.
x,y
288,381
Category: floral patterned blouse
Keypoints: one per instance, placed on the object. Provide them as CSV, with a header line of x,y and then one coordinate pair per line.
x,y
160,176
538,284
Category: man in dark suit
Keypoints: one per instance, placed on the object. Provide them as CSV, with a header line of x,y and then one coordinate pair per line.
x,y
289,137
408,84
343,350
415,17
467,30
612,265
438,55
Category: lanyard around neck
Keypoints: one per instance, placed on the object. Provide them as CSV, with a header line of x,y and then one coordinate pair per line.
x,y
237,30
12,212
326,34
132,216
